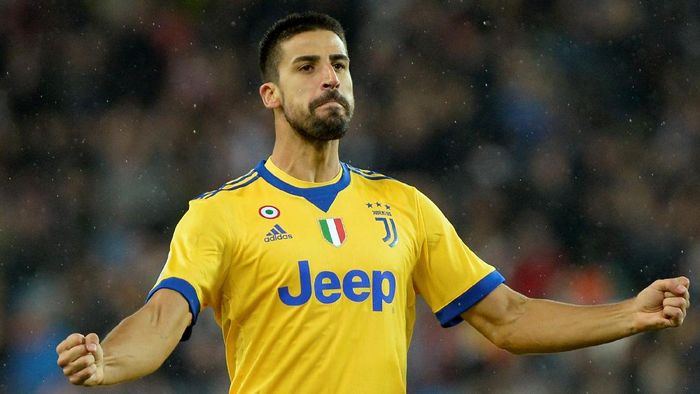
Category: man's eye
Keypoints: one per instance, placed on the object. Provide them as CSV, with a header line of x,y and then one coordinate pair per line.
x,y
306,67
339,66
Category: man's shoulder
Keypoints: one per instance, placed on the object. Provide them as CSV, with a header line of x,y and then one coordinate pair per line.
x,y
367,174
378,180
228,200
236,184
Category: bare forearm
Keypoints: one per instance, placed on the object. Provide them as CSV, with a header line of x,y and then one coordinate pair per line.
x,y
524,325
140,343
543,326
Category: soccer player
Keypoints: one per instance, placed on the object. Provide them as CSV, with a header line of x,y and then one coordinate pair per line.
x,y
312,266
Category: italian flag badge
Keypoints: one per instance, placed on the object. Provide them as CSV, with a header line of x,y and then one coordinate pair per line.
x,y
333,231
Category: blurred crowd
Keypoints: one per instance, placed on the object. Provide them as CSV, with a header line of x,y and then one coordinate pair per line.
x,y
562,139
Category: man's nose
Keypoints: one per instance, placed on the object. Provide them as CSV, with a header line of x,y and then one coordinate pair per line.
x,y
330,78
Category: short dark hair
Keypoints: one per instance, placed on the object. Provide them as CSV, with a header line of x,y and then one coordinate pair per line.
x,y
285,29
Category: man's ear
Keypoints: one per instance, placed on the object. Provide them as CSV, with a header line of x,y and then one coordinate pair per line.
x,y
270,95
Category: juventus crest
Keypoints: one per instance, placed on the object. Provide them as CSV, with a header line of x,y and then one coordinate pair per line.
x,y
382,214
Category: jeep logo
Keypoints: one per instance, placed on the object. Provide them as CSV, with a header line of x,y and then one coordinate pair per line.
x,y
328,288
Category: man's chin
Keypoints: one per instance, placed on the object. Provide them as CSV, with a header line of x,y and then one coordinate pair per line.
x,y
328,131
325,124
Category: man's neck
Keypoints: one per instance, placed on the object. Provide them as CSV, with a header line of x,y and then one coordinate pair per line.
x,y
311,161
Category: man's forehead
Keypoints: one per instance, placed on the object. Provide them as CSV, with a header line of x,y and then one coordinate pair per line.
x,y
310,43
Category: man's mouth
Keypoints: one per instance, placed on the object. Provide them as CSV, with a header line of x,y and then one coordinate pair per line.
x,y
331,100
331,103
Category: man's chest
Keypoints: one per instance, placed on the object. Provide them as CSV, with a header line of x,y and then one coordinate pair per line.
x,y
301,254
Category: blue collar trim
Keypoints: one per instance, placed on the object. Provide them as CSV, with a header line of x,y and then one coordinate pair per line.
x,y
322,197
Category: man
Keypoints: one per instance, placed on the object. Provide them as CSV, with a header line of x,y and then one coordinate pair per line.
x,y
312,266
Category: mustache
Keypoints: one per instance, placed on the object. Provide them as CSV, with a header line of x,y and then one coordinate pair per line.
x,y
329,96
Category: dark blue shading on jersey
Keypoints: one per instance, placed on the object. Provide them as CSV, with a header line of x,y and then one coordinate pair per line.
x,y
367,173
231,185
187,291
450,314
322,196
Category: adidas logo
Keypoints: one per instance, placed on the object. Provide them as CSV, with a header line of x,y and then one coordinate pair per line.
x,y
276,234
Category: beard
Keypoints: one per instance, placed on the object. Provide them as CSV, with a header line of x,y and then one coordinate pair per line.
x,y
312,127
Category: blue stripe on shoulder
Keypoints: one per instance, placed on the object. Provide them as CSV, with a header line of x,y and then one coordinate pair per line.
x,y
244,184
450,315
368,173
187,291
231,185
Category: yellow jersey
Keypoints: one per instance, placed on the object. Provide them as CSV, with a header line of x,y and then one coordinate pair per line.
x,y
314,284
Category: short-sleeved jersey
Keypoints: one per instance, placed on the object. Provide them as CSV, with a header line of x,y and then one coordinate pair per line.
x,y
314,285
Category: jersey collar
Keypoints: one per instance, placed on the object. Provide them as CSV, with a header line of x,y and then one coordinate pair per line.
x,y
321,195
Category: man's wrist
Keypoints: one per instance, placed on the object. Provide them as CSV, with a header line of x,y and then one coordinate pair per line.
x,y
635,317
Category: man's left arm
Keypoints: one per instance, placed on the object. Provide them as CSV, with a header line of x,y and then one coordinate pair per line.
x,y
520,324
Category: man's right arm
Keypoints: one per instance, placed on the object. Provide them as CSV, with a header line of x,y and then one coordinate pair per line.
x,y
135,348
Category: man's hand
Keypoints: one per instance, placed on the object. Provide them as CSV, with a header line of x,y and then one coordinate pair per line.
x,y
663,304
81,358
136,347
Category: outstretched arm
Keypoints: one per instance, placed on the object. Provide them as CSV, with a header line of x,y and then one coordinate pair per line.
x,y
135,348
525,325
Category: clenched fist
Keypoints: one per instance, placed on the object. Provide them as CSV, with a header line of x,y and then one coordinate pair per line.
x,y
663,304
81,359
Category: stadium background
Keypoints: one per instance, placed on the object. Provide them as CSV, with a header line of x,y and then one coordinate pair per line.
x,y
562,138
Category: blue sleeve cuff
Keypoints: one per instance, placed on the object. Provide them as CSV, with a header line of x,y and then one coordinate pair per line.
x,y
450,315
187,291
